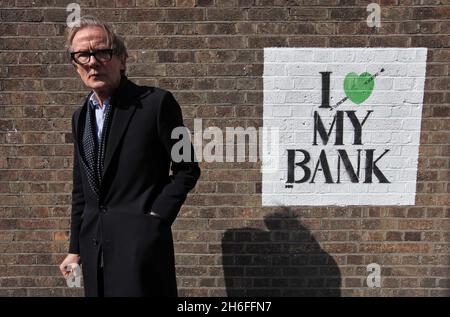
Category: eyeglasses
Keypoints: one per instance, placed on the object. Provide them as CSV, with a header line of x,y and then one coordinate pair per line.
x,y
82,58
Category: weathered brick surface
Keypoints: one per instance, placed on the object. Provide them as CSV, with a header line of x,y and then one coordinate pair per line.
x,y
210,54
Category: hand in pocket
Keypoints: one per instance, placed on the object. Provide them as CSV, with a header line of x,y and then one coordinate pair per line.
x,y
153,228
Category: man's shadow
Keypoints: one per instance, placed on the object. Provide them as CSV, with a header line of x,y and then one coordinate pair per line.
x,y
284,260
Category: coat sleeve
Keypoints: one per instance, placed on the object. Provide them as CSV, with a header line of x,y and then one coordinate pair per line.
x,y
77,199
184,173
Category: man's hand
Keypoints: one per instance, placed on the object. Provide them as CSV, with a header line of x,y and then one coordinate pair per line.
x,y
155,227
70,258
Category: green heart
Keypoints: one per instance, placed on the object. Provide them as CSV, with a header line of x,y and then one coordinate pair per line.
x,y
358,88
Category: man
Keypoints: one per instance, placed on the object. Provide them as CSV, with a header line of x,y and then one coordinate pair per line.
x,y
124,200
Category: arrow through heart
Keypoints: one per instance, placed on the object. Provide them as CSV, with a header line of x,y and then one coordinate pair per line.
x,y
358,88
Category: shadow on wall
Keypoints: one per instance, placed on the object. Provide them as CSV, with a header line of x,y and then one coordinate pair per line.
x,y
284,260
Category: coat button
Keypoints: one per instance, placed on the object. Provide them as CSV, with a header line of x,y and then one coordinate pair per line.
x,y
102,209
94,242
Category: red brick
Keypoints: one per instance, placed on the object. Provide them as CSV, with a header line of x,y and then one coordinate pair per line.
x,y
165,3
225,97
430,41
391,41
226,42
309,14
185,42
277,14
205,3
435,13
22,15
345,41
185,15
225,14
144,15
227,70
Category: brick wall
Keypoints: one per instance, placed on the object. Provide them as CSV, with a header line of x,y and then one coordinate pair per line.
x,y
210,54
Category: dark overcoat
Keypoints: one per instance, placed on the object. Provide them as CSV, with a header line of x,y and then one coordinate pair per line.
x,y
138,251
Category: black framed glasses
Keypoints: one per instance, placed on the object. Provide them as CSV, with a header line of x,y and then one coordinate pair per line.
x,y
82,58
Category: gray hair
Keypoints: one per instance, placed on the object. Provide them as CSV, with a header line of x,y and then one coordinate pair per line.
x,y
113,40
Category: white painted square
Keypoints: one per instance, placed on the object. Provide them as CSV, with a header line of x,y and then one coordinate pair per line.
x,y
293,93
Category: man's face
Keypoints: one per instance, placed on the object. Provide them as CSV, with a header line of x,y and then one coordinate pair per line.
x,y
100,76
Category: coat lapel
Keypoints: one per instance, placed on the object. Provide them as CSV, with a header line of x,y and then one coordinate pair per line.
x,y
119,124
124,103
